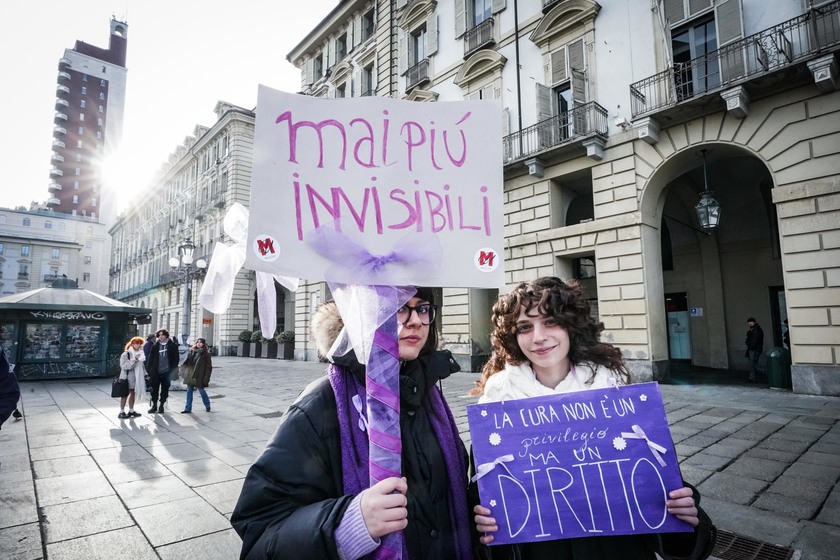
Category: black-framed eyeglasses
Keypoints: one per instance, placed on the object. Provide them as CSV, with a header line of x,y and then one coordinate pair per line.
x,y
425,312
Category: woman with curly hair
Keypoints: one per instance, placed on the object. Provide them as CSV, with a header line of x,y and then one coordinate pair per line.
x,y
545,342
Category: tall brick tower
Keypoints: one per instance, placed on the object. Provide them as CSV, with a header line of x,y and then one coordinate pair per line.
x,y
90,106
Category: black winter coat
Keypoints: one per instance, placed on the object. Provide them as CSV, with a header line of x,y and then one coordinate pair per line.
x,y
293,498
154,357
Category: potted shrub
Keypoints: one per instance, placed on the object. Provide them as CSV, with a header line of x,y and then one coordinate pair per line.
x,y
269,348
243,347
286,340
256,344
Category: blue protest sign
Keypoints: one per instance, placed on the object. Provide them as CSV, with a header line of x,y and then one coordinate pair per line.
x,y
591,463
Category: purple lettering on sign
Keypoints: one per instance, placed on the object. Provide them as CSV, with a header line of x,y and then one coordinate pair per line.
x,y
590,463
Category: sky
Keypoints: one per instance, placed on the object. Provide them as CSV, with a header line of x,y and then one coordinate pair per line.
x,y
183,57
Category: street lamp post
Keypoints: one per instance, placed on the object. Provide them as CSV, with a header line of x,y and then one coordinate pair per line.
x,y
188,271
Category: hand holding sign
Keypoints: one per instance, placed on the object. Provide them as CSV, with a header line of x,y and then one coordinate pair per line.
x,y
588,463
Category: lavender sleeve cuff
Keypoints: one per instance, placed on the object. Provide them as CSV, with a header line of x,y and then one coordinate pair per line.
x,y
351,535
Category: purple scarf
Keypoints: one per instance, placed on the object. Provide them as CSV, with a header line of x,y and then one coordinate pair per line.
x,y
354,451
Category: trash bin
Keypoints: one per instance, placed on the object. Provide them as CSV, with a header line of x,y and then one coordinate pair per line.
x,y
778,368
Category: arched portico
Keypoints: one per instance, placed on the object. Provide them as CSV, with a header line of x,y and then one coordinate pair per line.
x,y
702,285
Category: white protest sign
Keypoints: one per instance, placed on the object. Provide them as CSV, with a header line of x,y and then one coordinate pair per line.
x,y
374,190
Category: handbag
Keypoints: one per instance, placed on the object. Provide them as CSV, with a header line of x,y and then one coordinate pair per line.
x,y
119,388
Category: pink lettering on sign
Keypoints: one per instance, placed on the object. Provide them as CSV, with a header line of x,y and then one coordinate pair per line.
x,y
375,209
486,258
360,138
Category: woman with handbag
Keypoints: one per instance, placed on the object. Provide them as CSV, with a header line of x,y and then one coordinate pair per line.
x,y
197,369
132,370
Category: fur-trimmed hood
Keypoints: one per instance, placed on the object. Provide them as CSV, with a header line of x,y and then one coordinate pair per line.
x,y
326,324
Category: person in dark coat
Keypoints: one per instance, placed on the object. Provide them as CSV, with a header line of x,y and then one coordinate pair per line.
x,y
200,366
9,389
755,345
163,360
147,347
546,342
307,495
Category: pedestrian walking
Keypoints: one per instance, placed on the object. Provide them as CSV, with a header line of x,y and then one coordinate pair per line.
x,y
147,346
133,370
307,495
755,345
163,360
546,342
198,366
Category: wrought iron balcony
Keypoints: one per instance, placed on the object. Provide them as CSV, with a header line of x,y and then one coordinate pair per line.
x,y
57,157
58,144
791,42
55,172
417,74
62,89
478,37
59,130
584,121
61,103
63,75
53,202
60,117
54,187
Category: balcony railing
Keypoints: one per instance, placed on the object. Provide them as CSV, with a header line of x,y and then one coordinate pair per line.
x,y
54,187
766,51
548,4
417,74
583,121
478,37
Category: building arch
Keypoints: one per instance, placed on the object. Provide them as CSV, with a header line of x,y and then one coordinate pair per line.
x,y
716,274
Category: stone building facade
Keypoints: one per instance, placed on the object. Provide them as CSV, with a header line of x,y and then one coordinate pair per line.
x,y
619,116
204,176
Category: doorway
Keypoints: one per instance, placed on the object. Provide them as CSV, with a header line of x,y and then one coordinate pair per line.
x,y
679,333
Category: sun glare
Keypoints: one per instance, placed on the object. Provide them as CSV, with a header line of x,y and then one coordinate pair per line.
x,y
124,178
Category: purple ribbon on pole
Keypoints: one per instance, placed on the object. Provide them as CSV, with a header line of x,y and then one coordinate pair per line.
x,y
360,283
382,385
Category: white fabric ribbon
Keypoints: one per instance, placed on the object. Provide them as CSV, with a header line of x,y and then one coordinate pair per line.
x,y
486,468
656,449
357,404
227,260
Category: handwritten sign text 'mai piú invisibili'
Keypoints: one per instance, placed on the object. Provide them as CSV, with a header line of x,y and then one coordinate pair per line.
x,y
592,463
392,182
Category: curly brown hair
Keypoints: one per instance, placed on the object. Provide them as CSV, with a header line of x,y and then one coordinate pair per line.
x,y
562,301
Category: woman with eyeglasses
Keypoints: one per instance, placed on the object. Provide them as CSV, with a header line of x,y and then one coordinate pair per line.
x,y
307,495
200,366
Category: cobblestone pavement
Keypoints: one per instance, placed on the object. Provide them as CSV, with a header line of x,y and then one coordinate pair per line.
x,y
78,483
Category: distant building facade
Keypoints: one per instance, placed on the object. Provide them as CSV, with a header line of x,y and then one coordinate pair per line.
x,y
38,246
207,173
67,233
618,116
89,112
